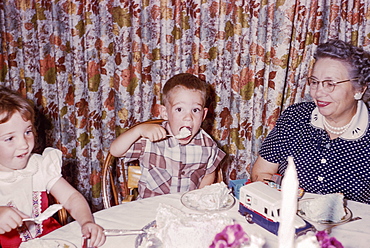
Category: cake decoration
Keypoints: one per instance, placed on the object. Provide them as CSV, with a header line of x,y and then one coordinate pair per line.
x,y
233,236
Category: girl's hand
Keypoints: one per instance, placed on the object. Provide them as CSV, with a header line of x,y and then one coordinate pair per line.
x,y
10,218
93,232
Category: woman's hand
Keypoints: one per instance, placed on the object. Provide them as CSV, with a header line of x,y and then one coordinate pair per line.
x,y
262,169
94,233
10,218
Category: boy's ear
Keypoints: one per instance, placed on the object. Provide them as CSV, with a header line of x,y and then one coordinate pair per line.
x,y
163,112
205,113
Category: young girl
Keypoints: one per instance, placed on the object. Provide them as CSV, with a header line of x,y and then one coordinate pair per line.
x,y
26,178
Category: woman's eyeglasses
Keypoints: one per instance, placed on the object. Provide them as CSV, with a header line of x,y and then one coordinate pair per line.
x,y
327,85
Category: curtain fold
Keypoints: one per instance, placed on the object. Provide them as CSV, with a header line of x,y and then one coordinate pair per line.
x,y
95,68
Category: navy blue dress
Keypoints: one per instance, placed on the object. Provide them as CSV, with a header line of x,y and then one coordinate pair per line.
x,y
323,165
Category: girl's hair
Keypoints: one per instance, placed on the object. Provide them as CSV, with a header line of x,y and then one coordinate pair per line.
x,y
187,81
10,102
357,59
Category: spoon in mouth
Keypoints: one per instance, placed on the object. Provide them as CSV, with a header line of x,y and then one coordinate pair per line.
x,y
184,133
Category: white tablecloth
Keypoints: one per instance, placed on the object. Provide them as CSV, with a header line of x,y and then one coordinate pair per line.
x,y
135,215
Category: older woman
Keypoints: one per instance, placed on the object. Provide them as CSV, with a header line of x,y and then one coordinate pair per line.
x,y
330,137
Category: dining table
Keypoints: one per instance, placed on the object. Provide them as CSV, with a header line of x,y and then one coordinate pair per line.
x,y
137,214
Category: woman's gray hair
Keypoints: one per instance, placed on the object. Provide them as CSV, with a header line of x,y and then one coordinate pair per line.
x,y
357,59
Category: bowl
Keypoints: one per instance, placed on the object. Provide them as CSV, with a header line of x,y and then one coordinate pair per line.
x,y
192,203
324,224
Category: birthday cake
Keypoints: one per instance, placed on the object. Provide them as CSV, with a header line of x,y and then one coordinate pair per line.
x,y
320,239
174,228
178,229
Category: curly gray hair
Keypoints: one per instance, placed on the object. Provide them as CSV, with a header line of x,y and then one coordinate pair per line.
x,y
357,59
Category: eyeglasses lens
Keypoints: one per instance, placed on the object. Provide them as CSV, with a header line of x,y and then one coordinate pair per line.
x,y
327,85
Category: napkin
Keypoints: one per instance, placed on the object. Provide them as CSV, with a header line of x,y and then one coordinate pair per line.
x,y
289,189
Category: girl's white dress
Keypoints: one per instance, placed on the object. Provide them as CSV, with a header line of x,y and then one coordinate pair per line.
x,y
27,189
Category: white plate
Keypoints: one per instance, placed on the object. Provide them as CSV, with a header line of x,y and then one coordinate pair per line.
x,y
50,243
347,217
187,201
65,243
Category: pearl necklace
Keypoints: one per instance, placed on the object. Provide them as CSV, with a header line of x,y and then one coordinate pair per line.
x,y
337,130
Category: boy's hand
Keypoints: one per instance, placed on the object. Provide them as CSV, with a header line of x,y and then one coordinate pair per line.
x,y
10,218
93,232
153,132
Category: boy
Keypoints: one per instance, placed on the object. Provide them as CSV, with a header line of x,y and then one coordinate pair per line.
x,y
172,164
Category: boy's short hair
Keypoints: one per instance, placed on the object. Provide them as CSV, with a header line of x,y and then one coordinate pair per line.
x,y
188,81
10,102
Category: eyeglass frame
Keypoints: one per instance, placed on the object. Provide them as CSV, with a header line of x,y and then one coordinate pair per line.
x,y
332,81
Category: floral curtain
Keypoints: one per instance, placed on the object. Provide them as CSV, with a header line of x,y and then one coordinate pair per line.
x,y
94,68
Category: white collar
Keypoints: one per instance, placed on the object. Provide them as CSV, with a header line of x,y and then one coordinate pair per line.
x,y
356,130
14,175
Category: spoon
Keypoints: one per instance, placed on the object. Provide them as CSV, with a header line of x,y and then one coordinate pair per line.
x,y
120,232
150,239
46,214
328,230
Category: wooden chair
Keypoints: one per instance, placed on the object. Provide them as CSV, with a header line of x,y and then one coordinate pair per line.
x,y
111,197
130,182
133,177
107,171
62,214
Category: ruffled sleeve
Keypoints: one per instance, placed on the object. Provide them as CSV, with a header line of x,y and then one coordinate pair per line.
x,y
50,166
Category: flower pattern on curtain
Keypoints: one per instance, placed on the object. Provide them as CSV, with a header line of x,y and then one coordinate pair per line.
x,y
94,68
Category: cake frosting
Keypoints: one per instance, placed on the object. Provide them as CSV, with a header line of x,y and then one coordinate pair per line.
x,y
184,133
320,239
324,208
308,240
176,228
211,197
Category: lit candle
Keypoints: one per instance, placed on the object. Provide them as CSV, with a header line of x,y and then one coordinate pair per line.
x,y
288,210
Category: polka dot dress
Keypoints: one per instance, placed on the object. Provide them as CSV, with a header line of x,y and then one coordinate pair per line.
x,y
323,166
